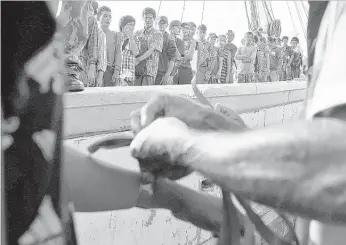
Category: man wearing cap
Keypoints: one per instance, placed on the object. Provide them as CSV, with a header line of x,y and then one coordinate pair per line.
x,y
203,48
296,58
167,56
175,29
151,42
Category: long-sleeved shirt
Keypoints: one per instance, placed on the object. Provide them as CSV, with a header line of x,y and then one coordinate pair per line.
x,y
89,54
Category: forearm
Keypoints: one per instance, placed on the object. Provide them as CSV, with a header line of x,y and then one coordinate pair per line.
x,y
200,209
170,68
133,47
95,185
146,54
297,167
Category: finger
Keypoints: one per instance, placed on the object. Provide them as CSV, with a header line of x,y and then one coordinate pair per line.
x,y
135,118
10,125
147,178
153,109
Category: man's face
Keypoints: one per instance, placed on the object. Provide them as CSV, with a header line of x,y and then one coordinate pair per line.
x,y
201,34
106,18
212,41
222,41
248,38
175,30
148,20
186,31
294,44
285,41
129,28
230,37
162,25
193,31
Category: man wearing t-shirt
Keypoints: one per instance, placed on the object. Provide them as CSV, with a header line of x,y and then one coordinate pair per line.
x,y
233,50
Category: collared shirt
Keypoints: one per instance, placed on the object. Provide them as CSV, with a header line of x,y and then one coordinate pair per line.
x,y
128,60
233,49
89,54
150,38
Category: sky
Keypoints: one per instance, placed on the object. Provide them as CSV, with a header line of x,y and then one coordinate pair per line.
x,y
219,16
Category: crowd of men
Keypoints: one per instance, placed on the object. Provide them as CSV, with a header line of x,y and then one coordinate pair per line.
x,y
168,53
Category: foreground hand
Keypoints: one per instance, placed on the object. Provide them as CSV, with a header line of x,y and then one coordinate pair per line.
x,y
166,105
162,144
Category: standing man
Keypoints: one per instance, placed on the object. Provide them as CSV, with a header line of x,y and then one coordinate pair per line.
x,y
175,30
247,56
286,56
111,77
90,53
167,56
129,50
151,42
233,50
185,72
275,58
203,48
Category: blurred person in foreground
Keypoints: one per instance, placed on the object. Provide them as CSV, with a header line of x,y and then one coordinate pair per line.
x,y
297,167
46,180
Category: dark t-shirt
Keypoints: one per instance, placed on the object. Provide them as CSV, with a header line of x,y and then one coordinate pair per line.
x,y
34,98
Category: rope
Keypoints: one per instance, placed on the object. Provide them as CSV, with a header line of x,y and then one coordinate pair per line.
x,y
289,10
265,13
305,10
202,12
247,15
266,7
300,19
158,11
271,9
182,13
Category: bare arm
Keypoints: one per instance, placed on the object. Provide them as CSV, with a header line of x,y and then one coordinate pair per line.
x,y
251,57
189,56
299,167
94,185
134,46
146,54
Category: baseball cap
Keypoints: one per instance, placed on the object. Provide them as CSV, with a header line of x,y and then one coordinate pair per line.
x,y
174,23
163,18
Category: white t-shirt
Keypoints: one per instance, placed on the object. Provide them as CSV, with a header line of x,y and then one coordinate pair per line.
x,y
328,91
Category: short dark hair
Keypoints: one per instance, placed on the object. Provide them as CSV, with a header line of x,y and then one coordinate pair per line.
x,y
102,10
295,39
185,24
202,27
149,10
192,24
249,33
284,37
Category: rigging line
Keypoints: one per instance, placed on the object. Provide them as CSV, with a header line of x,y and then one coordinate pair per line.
x,y
265,13
182,13
202,12
303,14
305,10
158,10
300,19
247,15
271,9
289,10
266,6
